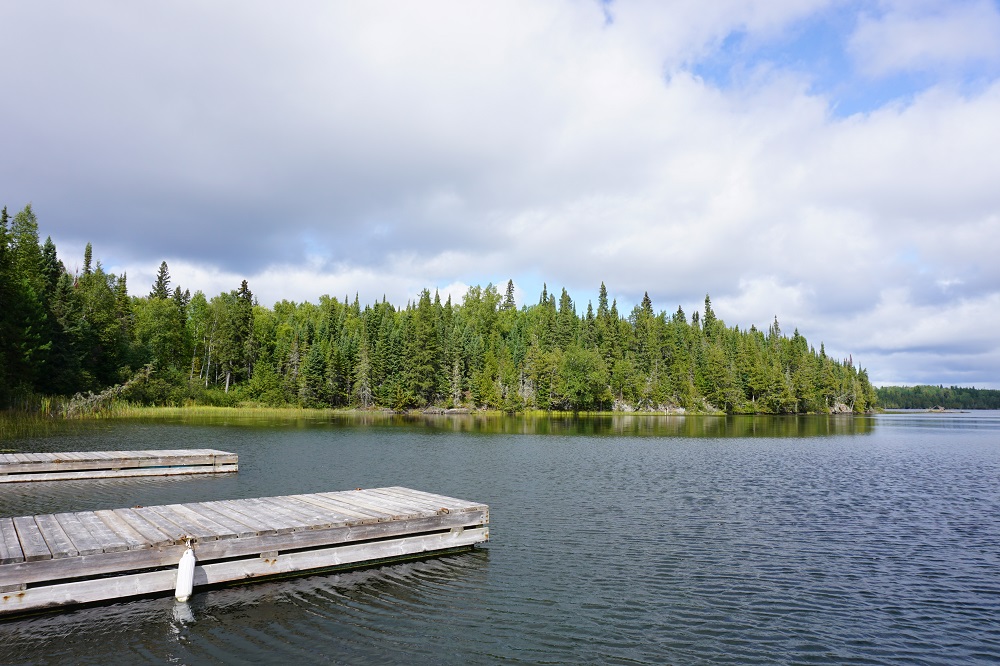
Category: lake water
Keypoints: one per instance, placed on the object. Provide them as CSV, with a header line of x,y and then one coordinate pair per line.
x,y
807,540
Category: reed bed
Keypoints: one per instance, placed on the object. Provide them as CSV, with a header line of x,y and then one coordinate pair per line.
x,y
21,425
126,410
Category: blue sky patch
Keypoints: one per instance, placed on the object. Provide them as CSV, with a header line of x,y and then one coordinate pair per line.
x,y
816,49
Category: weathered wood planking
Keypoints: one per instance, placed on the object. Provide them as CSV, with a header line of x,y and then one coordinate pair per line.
x,y
88,556
20,467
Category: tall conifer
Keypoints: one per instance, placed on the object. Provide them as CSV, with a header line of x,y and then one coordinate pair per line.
x,y
161,288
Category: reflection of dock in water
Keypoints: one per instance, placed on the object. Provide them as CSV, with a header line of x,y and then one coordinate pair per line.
x,y
91,556
67,465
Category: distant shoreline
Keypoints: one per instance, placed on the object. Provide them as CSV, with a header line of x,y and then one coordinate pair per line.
x,y
928,410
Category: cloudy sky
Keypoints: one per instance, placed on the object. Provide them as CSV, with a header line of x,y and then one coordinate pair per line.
x,y
832,163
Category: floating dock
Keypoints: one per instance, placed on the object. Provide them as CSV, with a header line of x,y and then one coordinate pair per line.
x,y
48,561
18,467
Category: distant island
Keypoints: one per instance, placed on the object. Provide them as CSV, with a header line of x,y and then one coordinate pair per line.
x,y
937,397
73,342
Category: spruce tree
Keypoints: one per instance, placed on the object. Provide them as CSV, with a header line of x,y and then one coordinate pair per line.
x,y
424,347
708,321
602,301
161,288
52,268
66,374
313,391
566,322
508,301
31,333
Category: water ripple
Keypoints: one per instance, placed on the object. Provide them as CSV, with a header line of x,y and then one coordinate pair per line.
x,y
879,548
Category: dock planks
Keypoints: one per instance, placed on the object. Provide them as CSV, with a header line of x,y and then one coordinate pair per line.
x,y
91,556
67,465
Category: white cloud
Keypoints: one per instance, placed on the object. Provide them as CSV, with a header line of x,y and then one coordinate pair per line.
x,y
903,341
927,36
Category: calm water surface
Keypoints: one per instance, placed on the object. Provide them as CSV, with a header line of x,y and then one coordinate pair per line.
x,y
614,541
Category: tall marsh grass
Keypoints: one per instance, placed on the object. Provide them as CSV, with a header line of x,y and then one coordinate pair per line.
x,y
19,425
127,410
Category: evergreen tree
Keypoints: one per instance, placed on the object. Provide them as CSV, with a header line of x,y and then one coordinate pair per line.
x,y
66,374
708,320
102,337
423,352
52,268
30,330
161,288
235,331
602,301
566,322
313,391
508,301
647,305
679,317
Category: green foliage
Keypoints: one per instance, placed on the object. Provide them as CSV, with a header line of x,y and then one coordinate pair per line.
x,y
583,379
161,288
264,388
929,397
65,334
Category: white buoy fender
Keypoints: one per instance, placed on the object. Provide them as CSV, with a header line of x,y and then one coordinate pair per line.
x,y
185,576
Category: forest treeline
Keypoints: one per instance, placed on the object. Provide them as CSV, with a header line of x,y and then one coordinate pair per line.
x,y
928,397
66,334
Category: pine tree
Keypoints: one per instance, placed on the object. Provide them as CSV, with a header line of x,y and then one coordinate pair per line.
x,y
30,330
161,288
66,374
566,322
424,347
313,390
236,328
602,301
508,301
52,268
708,321
123,307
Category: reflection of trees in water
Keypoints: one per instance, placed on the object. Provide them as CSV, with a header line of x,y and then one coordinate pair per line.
x,y
655,425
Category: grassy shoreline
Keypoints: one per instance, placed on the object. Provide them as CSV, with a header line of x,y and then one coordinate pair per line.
x,y
43,423
125,411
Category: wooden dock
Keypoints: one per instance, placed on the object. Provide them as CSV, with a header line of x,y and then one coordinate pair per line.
x,y
18,467
63,559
